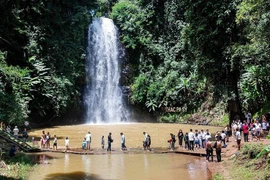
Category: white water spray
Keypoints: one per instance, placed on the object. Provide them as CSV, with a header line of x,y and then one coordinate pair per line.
x,y
103,96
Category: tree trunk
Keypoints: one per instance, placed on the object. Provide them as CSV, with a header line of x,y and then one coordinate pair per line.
x,y
234,106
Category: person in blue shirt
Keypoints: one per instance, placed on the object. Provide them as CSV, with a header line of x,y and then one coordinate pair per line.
x,y
12,151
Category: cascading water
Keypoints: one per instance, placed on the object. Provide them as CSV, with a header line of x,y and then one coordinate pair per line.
x,y
103,96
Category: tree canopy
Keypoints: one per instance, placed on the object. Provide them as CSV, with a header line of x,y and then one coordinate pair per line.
x,y
188,50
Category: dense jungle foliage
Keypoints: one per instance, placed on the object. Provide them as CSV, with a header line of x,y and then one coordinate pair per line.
x,y
42,47
180,53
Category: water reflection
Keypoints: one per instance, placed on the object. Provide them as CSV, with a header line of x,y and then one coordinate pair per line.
x,y
145,160
66,162
87,163
121,166
192,168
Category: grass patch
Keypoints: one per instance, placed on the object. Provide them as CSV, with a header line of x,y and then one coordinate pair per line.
x,y
247,166
240,172
218,176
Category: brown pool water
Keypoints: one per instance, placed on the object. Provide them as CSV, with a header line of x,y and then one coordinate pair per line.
x,y
159,132
65,166
118,165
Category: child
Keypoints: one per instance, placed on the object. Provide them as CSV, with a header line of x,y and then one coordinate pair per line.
x,y
102,142
84,143
169,143
55,142
67,143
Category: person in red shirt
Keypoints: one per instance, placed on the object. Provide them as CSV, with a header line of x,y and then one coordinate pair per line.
x,y
245,131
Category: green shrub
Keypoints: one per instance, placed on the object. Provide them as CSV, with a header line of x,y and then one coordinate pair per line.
x,y
265,109
169,118
21,159
252,150
266,150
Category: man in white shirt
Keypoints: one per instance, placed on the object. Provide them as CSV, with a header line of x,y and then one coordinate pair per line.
x,y
203,138
200,139
223,138
207,137
191,138
234,126
88,140
123,141
16,131
238,138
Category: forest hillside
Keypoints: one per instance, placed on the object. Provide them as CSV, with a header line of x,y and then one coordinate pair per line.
x,y
182,57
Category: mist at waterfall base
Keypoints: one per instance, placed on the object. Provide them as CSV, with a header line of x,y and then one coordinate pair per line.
x,y
103,95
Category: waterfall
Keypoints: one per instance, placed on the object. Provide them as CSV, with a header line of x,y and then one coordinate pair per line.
x,y
103,95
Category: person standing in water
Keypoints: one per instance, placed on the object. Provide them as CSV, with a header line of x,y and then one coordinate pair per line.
x,y
123,141
110,140
88,140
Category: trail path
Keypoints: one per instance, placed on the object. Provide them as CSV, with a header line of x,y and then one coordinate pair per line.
x,y
231,149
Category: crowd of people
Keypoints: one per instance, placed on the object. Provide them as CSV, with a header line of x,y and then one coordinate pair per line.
x,y
15,132
193,140
200,139
86,143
